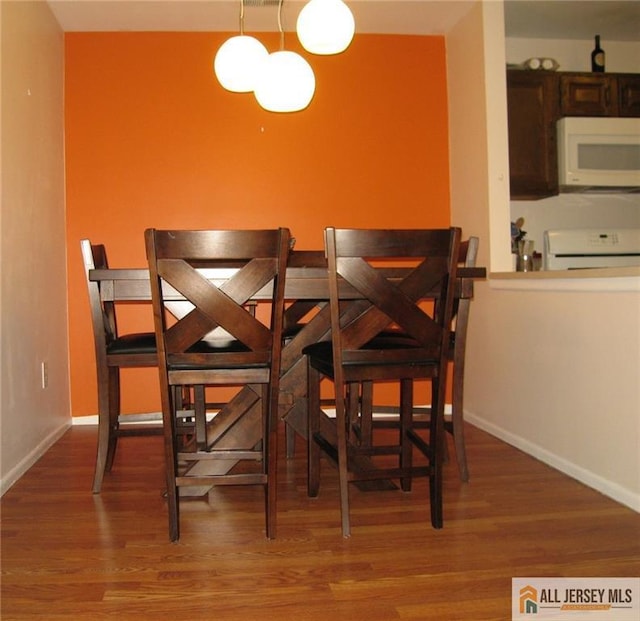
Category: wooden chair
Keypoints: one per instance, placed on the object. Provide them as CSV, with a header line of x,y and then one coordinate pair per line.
x,y
113,352
221,341
369,295
467,257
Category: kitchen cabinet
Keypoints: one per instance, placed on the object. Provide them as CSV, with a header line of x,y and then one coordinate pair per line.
x,y
588,95
599,94
532,105
535,102
629,95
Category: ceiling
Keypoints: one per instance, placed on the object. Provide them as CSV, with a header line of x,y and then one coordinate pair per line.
x,y
568,19
573,19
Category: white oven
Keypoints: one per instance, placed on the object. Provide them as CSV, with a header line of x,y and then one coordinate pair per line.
x,y
571,249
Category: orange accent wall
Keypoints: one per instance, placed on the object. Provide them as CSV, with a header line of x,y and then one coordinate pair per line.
x,y
152,140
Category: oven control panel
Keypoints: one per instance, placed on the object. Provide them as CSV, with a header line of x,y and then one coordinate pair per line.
x,y
580,248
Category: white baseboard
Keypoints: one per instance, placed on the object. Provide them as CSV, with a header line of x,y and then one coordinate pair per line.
x,y
141,419
157,416
9,478
591,479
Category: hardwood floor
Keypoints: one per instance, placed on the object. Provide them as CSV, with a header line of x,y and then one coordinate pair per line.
x,y
68,554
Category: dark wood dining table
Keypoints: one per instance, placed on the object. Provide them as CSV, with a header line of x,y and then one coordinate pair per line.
x,y
307,295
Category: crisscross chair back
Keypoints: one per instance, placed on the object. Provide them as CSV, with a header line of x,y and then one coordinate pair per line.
x,y
113,352
386,416
378,280
220,340
388,301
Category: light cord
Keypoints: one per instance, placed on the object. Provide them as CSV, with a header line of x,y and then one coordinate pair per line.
x,y
241,17
280,25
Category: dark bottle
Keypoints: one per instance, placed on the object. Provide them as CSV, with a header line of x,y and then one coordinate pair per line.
x,y
597,57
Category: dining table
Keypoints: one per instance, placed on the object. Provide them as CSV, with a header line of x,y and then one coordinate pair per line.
x,y
307,321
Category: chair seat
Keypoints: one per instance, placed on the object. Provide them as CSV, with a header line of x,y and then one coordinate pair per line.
x,y
385,353
387,340
218,354
399,337
141,343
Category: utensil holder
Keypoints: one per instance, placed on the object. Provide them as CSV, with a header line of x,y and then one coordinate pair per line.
x,y
524,261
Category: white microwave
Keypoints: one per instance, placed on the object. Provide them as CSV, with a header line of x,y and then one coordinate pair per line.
x,y
599,152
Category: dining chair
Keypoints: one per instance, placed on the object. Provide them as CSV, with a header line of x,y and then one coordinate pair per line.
x,y
378,281
113,352
386,416
221,340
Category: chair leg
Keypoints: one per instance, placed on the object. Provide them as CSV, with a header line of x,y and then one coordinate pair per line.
x,y
173,507
366,412
435,493
341,425
436,437
313,421
114,415
108,409
103,438
406,419
457,422
169,426
200,409
290,440
270,456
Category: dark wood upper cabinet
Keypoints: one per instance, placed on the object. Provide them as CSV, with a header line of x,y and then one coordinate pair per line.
x,y
599,95
588,95
535,102
532,108
629,95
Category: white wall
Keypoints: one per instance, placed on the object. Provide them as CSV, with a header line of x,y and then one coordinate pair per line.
x,y
32,241
479,178
556,374
575,55
576,210
553,372
571,210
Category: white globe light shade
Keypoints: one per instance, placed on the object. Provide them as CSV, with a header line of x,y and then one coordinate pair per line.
x,y
286,83
238,61
325,26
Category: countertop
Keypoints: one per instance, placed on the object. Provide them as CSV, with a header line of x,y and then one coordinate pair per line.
x,y
610,279
605,272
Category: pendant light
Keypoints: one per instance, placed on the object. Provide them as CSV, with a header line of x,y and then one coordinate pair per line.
x,y
286,82
238,61
325,26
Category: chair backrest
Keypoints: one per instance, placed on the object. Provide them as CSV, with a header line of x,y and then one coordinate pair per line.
x,y
377,279
103,316
467,256
462,306
218,272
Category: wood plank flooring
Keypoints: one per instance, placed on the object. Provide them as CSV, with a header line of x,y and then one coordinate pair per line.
x,y
67,554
